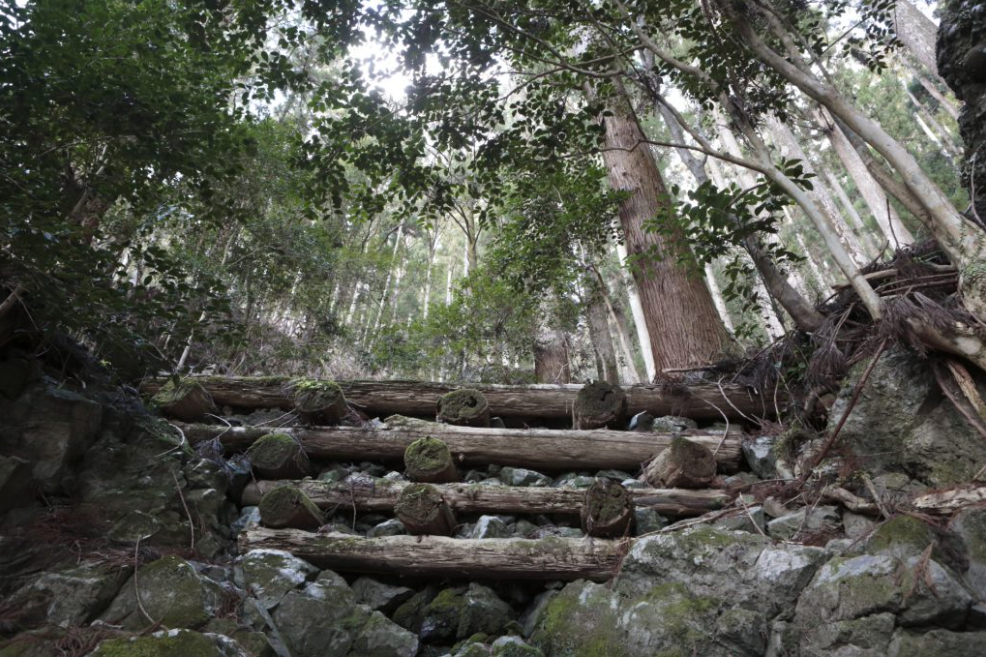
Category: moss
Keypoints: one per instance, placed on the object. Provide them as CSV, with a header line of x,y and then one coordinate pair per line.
x,y
427,456
171,393
418,501
680,613
183,604
443,613
579,623
900,536
272,449
410,614
607,501
281,504
180,644
313,395
464,404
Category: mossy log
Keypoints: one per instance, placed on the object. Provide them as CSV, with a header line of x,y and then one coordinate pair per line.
x,y
319,402
549,401
375,495
423,510
684,464
288,506
608,510
278,456
551,558
543,450
429,460
600,404
466,407
187,401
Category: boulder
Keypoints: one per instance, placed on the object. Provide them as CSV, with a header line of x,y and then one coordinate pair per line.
x,y
269,575
490,527
513,646
937,642
456,614
522,477
379,596
806,521
73,596
970,526
683,464
15,483
170,643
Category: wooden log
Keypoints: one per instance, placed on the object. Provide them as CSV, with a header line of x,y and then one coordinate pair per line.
x,y
319,402
608,510
375,495
539,449
600,404
429,460
551,558
288,506
423,510
278,456
550,401
466,407
684,464
187,401
949,501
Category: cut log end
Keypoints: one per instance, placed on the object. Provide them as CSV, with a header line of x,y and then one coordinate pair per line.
x,y
278,456
187,401
684,464
428,460
600,404
319,402
287,506
465,407
423,510
608,510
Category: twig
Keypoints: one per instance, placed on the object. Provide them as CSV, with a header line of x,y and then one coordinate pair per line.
x,y
191,525
750,516
140,605
729,401
11,300
876,495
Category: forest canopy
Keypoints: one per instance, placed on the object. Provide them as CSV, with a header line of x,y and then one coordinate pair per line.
x,y
553,190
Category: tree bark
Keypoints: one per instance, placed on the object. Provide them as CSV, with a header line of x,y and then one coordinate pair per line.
x,y
681,318
918,33
554,558
420,398
422,510
539,449
637,310
464,407
600,404
602,340
607,511
381,495
551,363
720,301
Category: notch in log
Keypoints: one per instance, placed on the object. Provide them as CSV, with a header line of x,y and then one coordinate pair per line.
x,y
319,402
423,510
465,407
600,404
684,464
428,460
278,456
287,506
187,401
608,510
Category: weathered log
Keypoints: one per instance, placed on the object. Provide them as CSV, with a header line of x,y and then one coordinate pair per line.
x,y
429,460
423,510
466,407
370,494
608,510
684,464
550,401
319,402
278,456
950,501
187,401
552,558
288,506
600,404
540,449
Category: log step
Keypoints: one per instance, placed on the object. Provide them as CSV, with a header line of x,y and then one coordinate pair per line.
x,y
539,449
551,558
699,402
382,494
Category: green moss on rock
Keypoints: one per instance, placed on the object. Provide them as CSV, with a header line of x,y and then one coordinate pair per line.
x,y
161,644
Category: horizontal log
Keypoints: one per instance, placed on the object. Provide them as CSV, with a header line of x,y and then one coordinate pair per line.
x,y
552,558
540,449
420,398
370,494
950,501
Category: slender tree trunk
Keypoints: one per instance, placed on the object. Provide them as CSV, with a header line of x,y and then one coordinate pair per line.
x,y
637,310
720,301
432,247
935,130
681,317
602,341
872,248
946,103
918,33
386,284
629,372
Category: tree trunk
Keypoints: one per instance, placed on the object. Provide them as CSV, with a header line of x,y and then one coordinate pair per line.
x,y
698,401
710,277
553,558
602,341
422,509
917,32
607,511
630,374
381,495
681,318
872,249
551,364
637,310
936,131
539,449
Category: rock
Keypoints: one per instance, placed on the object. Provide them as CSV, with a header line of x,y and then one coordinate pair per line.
x,y
529,619
379,637
581,619
901,537
902,424
187,401
970,526
473,476
249,518
614,475
455,614
410,614
573,480
169,643
15,483
312,627
740,479
633,483
379,596
742,631
73,596
491,482
754,521
490,527
863,637
524,528
808,520
857,525
648,520
513,646
332,475
937,642
171,592
392,527
673,424
683,464
254,644
642,421
761,457
269,575
523,477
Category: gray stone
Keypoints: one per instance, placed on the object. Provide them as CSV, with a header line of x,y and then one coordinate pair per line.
x,y
524,528
15,483
74,596
513,646
760,456
455,614
573,480
529,619
490,527
379,596
642,421
753,522
523,477
491,482
249,519
937,642
170,643
474,476
740,479
861,637
311,627
379,637
673,424
269,575
633,483
615,475
857,525
970,525
392,527
805,521
742,631
648,520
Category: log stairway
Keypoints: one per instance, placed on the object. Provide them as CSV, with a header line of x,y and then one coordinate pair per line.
x,y
432,552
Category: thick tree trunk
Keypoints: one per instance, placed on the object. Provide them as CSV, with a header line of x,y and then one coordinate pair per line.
x,y
438,556
420,398
684,327
602,341
551,363
539,449
376,495
917,32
